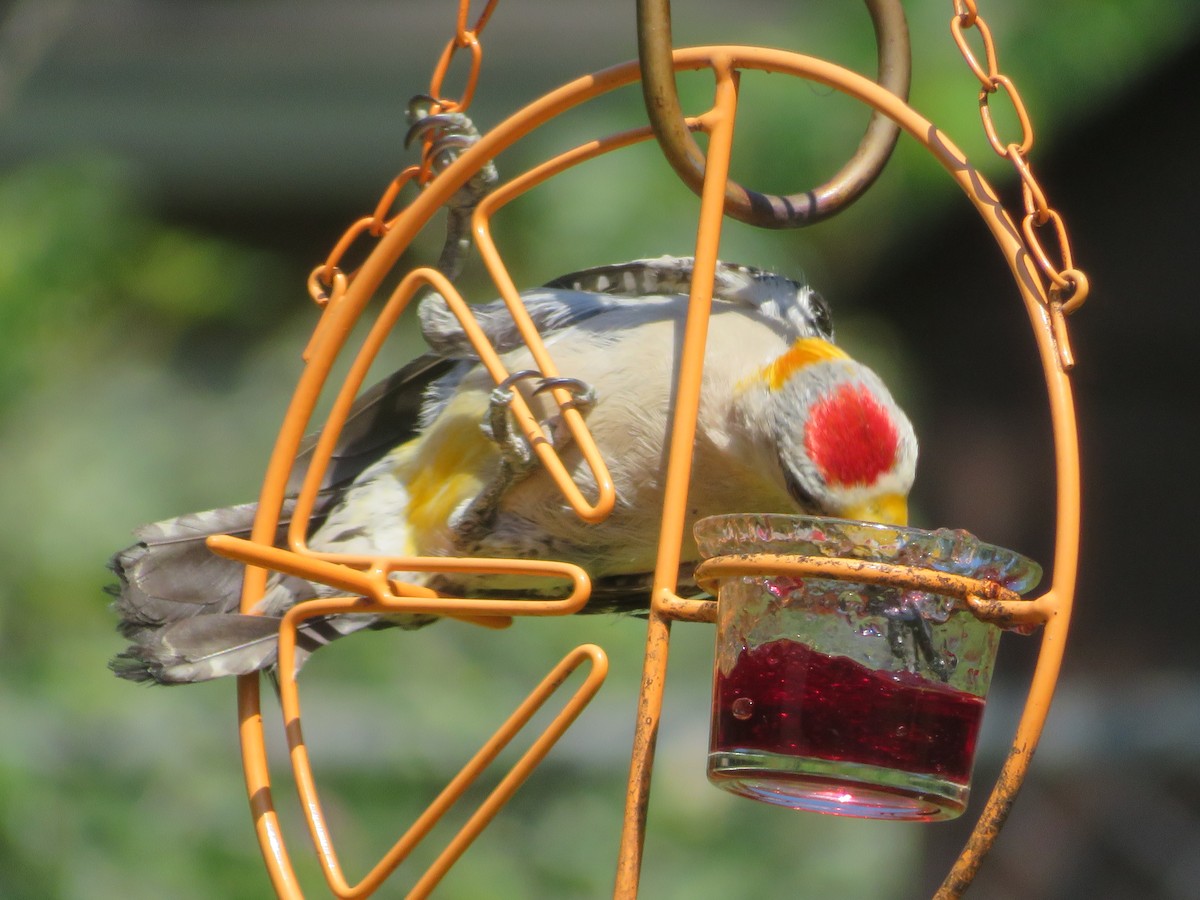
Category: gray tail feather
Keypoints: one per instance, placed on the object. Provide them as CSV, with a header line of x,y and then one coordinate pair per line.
x,y
178,601
170,574
179,604
200,648
214,646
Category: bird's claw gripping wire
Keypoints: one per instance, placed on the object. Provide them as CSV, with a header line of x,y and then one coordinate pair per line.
x,y
583,394
513,447
517,460
447,136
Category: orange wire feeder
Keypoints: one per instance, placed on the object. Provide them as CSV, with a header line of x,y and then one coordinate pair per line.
x,y
370,584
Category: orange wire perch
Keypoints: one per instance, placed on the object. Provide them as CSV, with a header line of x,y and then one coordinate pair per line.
x,y
371,585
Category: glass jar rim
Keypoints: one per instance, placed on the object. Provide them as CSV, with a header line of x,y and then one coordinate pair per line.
x,y
945,550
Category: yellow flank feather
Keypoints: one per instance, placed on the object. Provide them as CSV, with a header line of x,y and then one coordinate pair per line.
x,y
450,464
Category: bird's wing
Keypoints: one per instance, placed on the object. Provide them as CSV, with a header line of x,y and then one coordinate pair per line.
x,y
795,306
578,296
552,309
395,409
385,415
388,413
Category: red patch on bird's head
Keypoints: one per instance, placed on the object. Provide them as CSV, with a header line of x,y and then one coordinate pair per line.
x,y
850,436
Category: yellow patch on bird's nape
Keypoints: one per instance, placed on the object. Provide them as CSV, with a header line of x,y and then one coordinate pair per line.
x,y
804,352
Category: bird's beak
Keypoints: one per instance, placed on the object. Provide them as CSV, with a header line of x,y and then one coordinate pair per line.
x,y
886,509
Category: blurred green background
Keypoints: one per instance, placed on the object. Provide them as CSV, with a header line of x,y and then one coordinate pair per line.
x,y
171,171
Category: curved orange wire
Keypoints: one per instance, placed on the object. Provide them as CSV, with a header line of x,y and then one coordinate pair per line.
x,y
372,578
990,601
468,775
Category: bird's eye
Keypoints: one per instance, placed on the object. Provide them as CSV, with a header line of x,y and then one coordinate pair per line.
x,y
795,488
821,314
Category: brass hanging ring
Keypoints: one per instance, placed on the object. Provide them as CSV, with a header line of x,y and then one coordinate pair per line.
x,y
752,207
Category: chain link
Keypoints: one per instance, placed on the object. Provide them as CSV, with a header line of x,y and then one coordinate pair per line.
x,y
327,280
1068,286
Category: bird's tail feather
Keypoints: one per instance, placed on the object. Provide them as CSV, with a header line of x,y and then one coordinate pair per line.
x,y
207,647
170,574
178,602
200,648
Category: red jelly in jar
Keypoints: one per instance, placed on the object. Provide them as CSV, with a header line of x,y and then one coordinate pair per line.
x,y
857,699
813,731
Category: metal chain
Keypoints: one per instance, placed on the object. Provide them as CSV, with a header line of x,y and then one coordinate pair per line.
x,y
1068,285
1040,225
328,279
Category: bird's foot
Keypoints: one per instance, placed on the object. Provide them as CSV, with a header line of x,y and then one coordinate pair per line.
x,y
517,460
449,134
514,447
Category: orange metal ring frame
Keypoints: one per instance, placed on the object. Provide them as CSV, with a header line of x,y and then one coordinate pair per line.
x,y
373,583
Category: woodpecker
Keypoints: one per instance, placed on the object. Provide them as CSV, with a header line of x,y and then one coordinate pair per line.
x,y
428,465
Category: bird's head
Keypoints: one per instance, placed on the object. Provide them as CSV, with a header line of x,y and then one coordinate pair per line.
x,y
845,448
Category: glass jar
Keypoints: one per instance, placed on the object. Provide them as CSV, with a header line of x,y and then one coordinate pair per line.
x,y
847,698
